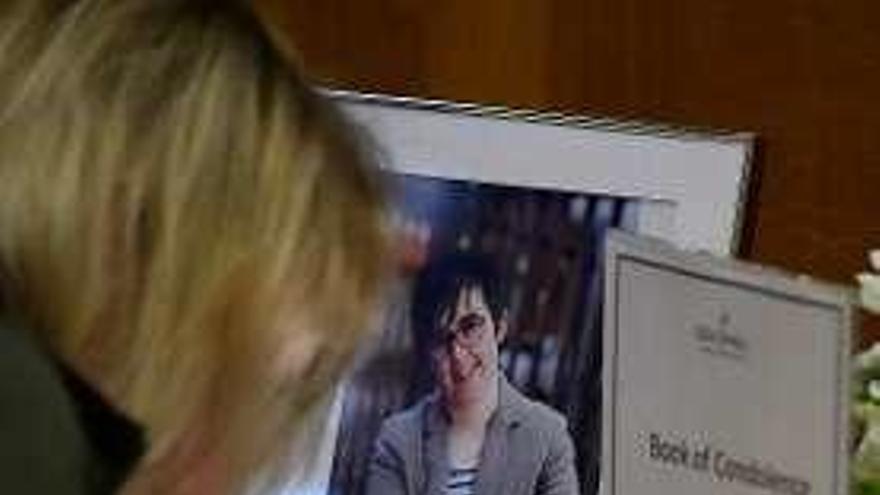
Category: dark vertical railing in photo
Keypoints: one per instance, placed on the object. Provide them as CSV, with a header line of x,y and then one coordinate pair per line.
x,y
548,248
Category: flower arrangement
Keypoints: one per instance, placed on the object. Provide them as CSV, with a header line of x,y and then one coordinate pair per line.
x,y
866,460
870,284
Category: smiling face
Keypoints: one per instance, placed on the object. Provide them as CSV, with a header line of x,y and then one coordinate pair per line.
x,y
466,351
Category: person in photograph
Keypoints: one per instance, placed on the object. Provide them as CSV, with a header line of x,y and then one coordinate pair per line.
x,y
474,433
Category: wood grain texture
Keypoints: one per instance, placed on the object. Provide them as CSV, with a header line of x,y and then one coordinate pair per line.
x,y
803,75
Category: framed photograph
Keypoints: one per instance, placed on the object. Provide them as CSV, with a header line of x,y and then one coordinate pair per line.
x,y
502,216
722,377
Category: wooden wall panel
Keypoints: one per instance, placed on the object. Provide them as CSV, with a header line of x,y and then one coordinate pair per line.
x,y
804,75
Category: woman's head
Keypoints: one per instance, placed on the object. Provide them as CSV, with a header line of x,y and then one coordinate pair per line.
x,y
182,218
459,314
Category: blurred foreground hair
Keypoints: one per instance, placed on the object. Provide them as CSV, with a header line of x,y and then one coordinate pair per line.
x,y
183,221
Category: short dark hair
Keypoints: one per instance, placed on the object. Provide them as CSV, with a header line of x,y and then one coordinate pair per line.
x,y
438,285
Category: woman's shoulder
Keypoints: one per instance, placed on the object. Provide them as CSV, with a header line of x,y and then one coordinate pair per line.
x,y
42,445
57,435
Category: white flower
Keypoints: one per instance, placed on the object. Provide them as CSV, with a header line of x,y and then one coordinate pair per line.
x,y
874,390
870,284
869,359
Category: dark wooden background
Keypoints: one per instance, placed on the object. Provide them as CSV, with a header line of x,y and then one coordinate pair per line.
x,y
802,74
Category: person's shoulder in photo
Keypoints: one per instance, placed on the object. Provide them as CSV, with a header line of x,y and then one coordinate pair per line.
x,y
474,433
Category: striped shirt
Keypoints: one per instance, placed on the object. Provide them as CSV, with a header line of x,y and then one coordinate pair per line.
x,y
461,482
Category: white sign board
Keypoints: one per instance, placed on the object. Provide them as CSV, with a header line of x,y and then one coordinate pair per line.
x,y
721,378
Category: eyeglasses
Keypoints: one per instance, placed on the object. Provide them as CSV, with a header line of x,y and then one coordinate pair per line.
x,y
467,331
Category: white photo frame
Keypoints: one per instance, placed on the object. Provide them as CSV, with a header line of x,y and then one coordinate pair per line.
x,y
689,185
693,182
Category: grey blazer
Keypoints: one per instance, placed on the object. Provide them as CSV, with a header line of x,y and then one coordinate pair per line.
x,y
527,451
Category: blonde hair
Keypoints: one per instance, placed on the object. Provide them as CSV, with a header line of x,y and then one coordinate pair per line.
x,y
183,220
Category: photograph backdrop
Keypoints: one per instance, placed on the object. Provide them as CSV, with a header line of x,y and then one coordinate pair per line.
x,y
547,246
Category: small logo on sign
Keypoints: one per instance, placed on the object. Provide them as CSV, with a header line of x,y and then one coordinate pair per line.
x,y
719,338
